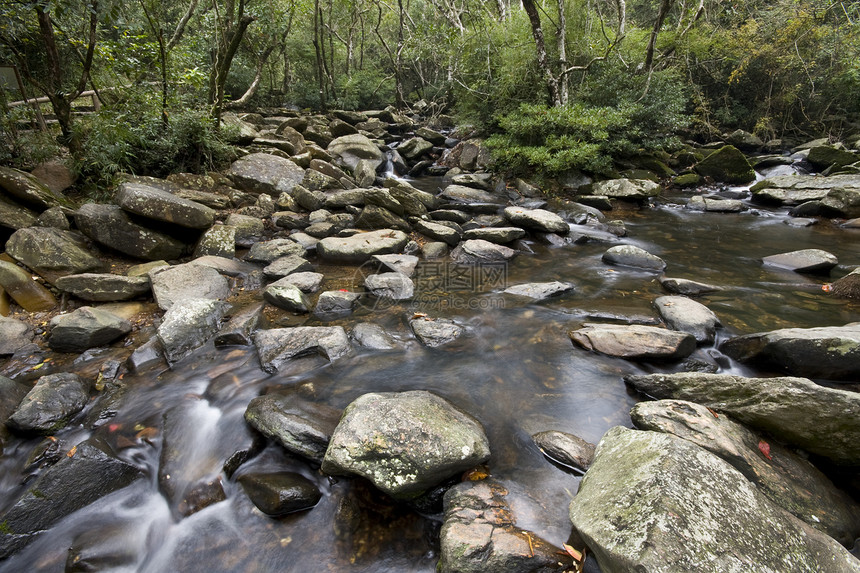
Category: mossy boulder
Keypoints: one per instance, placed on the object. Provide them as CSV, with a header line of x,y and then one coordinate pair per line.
x,y
727,165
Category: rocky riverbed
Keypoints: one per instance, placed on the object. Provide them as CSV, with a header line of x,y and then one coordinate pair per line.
x,y
317,359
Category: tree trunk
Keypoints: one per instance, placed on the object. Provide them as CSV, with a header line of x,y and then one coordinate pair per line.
x,y
252,89
228,44
319,56
561,40
540,46
652,42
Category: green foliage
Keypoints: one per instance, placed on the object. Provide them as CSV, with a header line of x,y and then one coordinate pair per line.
x,y
365,89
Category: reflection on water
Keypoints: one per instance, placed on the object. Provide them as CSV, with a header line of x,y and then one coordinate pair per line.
x,y
515,369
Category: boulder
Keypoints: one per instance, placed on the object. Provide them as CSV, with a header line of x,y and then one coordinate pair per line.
x,y
686,315
538,220
565,449
26,189
394,286
847,286
793,410
248,229
303,428
727,165
842,192
287,296
627,189
267,251
655,502
498,235
348,150
632,256
16,216
29,294
84,328
479,251
824,156
51,252
361,246
277,346
831,352
240,327
374,217
14,335
405,442
464,194
787,479
435,332
159,205
305,281
540,291
403,264
744,140
336,302
72,483
97,287
414,148
188,324
181,282
217,241
710,205
372,336
237,130
634,342
53,401
686,286
110,226
55,175
265,173
479,535
803,261
287,265
280,493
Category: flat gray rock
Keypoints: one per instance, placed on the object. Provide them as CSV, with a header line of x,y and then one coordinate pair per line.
x,y
268,251
710,205
794,410
479,251
687,287
349,150
336,302
686,315
463,194
265,173
110,226
104,287
634,342
403,264
26,189
394,286
662,504
405,442
248,229
628,189
632,256
362,246
498,235
287,265
189,324
372,336
539,220
180,282
435,332
16,216
14,335
52,252
540,291
84,328
803,261
307,282
287,296
278,346
438,232
53,401
160,205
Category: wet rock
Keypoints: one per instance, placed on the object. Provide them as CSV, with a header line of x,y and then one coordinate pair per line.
x,y
188,324
287,265
405,442
307,282
540,291
302,427
824,156
686,315
498,235
478,251
847,286
53,401
538,220
51,252
25,291
287,296
414,148
16,216
795,410
14,335
84,328
336,302
840,193
372,336
104,287
403,264
249,230
278,346
710,205
181,282
414,202
112,543
217,241
435,332
479,535
803,261
657,502
632,256
27,189
348,150
163,206
69,485
687,287
463,194
788,480
745,140
831,352
434,250
438,231
265,173
240,327
281,493
374,217
727,165
634,342
394,286
627,189
110,226
228,267
268,251
361,246
566,449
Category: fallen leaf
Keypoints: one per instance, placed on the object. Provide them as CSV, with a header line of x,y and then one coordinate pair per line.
x,y
827,287
576,555
72,451
476,474
714,413
764,447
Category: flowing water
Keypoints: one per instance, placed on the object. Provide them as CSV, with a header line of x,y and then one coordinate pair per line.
x,y
515,369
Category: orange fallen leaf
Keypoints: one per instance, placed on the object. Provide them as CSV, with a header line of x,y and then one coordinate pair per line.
x,y
476,474
576,555
764,448
714,413
827,287
72,451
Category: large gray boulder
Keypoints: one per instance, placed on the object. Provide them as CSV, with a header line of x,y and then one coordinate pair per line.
x,y
267,251
277,346
658,503
539,220
52,252
159,205
361,246
188,324
84,328
110,226
405,442
14,335
627,189
97,287
837,194
479,251
375,217
181,282
498,235
787,479
540,291
469,195
29,294
438,232
392,286
686,315
280,493
265,173
27,189
803,261
831,352
287,296
633,256
727,165
634,342
348,150
435,332
301,427
479,535
16,216
821,420
53,401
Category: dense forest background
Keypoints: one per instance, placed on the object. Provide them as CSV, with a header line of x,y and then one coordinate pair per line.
x,y
560,83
